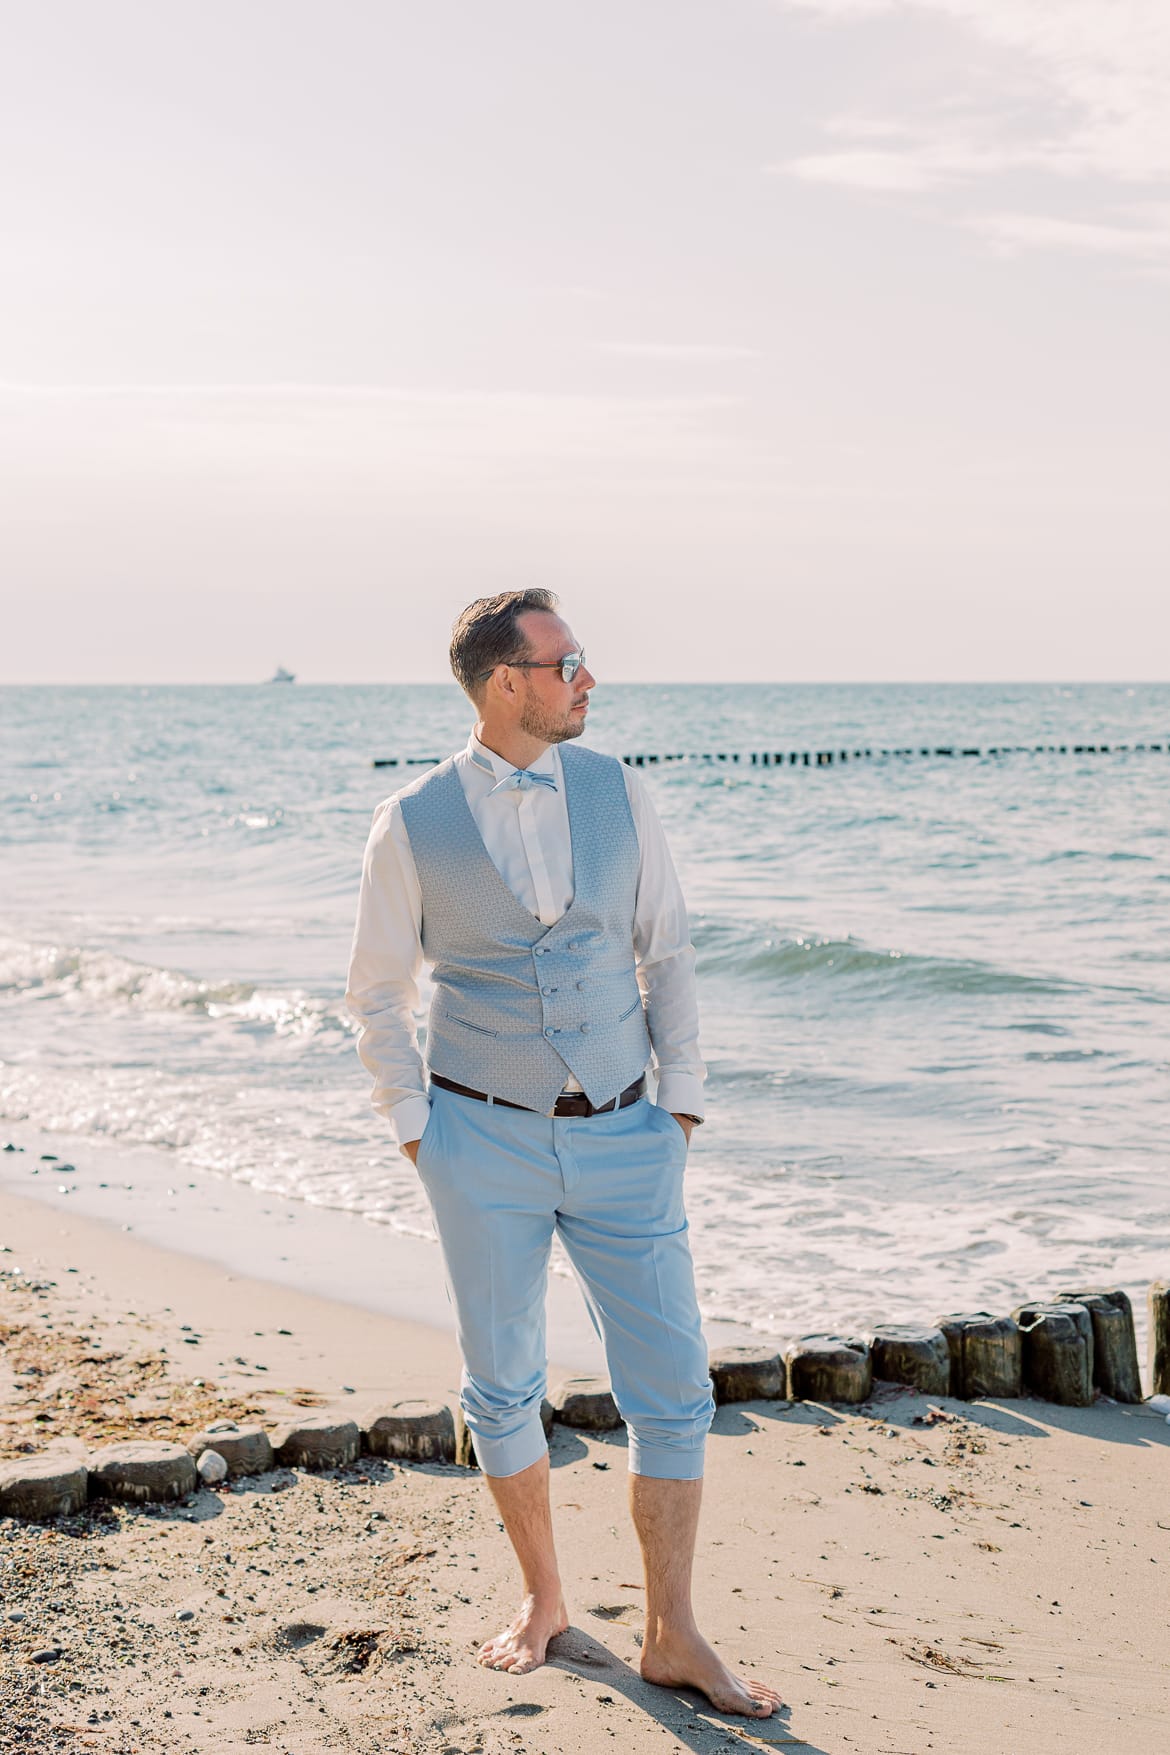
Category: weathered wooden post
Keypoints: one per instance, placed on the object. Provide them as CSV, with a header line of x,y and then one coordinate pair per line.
x,y
142,1469
1115,1359
465,1445
41,1487
587,1403
905,1353
829,1368
316,1441
985,1354
1057,1352
247,1450
747,1374
410,1431
1159,1312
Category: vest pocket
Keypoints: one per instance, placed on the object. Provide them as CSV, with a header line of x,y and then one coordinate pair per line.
x,y
630,1010
468,1025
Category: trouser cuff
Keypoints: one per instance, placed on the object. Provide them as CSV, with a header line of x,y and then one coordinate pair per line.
x,y
667,1462
508,1455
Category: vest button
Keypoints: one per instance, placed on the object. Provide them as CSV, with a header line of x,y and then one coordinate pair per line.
x,y
581,985
548,990
571,946
549,1031
540,950
584,1029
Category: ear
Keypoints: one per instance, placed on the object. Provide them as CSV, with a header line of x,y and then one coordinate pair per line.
x,y
502,684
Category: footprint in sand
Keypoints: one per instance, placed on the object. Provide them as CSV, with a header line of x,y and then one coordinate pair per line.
x,y
627,1613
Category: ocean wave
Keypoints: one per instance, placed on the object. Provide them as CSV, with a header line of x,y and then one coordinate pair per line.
x,y
322,1145
725,949
103,979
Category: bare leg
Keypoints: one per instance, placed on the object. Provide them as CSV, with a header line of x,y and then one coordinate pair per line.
x,y
674,1652
522,1502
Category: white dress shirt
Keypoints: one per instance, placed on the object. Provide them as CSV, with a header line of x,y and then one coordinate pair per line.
x,y
526,834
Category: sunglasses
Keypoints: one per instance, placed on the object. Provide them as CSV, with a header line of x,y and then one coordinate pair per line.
x,y
568,666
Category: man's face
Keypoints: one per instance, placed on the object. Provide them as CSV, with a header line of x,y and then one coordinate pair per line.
x,y
551,709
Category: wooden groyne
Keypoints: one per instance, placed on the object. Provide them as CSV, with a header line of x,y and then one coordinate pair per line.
x,y
1068,1349
836,758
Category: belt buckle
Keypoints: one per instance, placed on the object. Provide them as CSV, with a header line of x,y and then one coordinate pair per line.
x,y
579,1106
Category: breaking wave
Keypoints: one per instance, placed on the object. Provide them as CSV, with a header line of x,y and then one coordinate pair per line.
x,y
104,979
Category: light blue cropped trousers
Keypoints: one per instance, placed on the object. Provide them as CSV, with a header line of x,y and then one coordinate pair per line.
x,y
500,1182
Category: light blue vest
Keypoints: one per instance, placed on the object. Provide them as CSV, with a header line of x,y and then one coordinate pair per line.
x,y
517,1004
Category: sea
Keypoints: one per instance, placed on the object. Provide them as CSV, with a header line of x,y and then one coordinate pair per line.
x,y
934,989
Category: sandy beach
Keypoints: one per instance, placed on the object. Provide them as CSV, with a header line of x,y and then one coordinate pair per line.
x,y
914,1576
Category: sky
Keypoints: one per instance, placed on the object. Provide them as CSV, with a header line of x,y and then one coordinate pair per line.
x,y
787,340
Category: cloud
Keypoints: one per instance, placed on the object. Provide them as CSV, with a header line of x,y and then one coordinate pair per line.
x,y
1146,239
1094,76
907,170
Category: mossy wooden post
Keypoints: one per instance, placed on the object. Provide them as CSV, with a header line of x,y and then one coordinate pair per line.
x,y
1115,1357
985,1354
1057,1352
829,1368
1159,1310
919,1357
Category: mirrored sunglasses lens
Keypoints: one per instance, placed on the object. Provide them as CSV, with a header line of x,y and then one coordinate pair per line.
x,y
571,665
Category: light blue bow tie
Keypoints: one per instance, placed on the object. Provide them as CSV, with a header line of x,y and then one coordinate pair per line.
x,y
522,779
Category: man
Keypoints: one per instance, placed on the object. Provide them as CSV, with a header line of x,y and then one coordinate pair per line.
x,y
534,878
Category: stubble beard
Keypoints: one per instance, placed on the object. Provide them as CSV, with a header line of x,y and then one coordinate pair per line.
x,y
548,727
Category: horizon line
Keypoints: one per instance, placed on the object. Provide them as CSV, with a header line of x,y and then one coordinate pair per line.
x,y
625,682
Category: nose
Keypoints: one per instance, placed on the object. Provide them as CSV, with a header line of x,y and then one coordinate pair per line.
x,y
585,679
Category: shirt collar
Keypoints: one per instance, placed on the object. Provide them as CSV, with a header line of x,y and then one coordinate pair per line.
x,y
548,762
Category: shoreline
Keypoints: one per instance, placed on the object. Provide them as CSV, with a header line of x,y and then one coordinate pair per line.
x,y
350,1258
336,1255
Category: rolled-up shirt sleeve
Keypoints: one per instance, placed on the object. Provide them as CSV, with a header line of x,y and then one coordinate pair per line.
x,y
666,963
382,991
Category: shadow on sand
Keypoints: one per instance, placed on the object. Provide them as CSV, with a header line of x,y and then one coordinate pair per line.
x,y
684,1712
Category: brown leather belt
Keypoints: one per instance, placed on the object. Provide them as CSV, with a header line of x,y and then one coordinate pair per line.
x,y
568,1103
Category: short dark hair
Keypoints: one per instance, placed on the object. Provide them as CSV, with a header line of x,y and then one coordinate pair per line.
x,y
487,633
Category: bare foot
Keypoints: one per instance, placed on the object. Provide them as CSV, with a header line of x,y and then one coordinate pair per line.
x,y
685,1660
521,1646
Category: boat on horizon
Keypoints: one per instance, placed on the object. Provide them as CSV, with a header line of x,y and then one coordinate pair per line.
x,y
282,675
